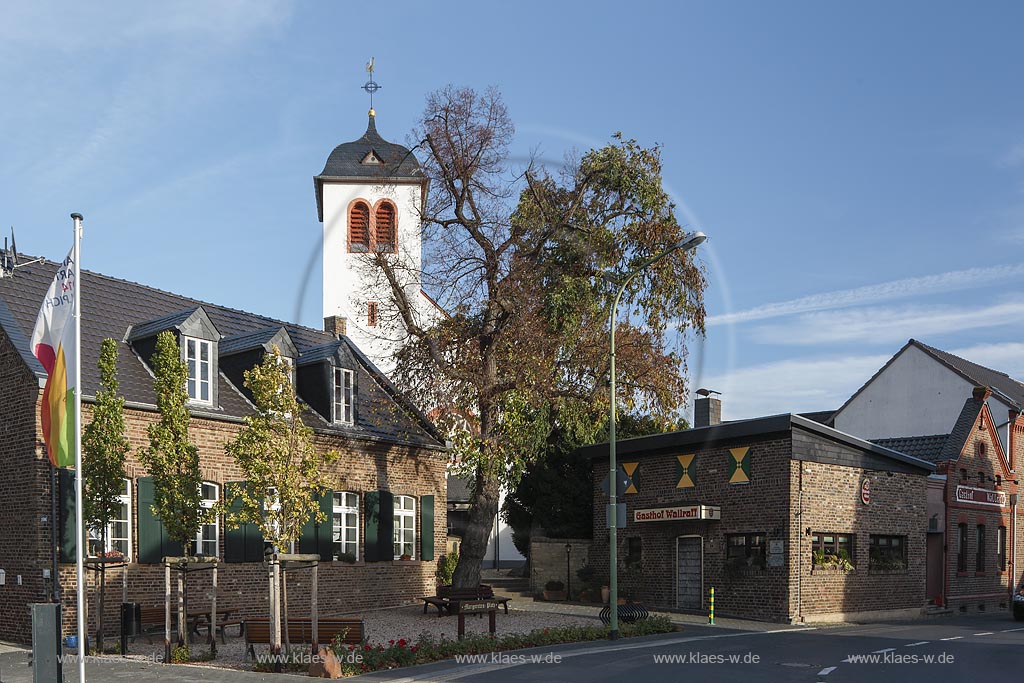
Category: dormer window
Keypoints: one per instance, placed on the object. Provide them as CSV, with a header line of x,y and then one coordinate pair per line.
x,y
198,355
344,396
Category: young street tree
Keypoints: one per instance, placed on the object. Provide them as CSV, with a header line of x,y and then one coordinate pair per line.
x,y
171,458
285,473
105,448
518,260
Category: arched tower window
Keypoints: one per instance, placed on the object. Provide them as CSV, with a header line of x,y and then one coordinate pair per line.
x,y
359,227
385,227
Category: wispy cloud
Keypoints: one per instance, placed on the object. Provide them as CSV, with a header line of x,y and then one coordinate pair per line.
x,y
885,291
886,325
793,386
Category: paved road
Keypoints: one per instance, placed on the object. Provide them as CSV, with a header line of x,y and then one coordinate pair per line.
x,y
943,650
951,649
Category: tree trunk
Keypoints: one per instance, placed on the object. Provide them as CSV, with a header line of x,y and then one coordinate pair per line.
x,y
182,625
478,531
100,604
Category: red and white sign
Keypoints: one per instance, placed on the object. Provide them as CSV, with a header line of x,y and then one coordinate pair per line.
x,y
969,494
865,492
680,513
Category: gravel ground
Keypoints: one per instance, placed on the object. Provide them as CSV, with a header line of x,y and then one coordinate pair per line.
x,y
382,626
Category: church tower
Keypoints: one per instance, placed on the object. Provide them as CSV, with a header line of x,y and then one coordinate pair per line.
x,y
369,197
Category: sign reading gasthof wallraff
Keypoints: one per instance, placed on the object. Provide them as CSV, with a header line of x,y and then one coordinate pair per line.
x,y
969,494
679,513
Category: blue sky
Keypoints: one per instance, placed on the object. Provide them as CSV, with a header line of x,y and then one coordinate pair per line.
x,y
859,167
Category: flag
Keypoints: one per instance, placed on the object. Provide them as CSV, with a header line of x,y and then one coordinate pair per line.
x,y
53,343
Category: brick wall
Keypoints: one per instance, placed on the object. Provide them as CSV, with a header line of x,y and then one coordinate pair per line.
x,y
832,503
548,561
25,541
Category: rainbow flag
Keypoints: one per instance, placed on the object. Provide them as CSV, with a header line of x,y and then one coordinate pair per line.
x,y
53,343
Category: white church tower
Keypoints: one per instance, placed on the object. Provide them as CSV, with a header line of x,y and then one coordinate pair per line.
x,y
369,198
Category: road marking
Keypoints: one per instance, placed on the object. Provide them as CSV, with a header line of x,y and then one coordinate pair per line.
x,y
882,652
986,633
953,638
923,642
1011,630
827,671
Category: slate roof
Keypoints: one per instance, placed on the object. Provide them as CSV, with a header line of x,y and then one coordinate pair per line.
x,y
110,306
346,162
459,489
924,447
938,448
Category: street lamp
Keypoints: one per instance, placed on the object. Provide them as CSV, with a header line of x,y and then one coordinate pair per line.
x,y
691,241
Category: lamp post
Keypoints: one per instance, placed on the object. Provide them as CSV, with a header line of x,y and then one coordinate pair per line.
x,y
691,241
568,573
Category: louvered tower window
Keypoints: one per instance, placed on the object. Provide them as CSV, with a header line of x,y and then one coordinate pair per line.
x,y
385,224
359,227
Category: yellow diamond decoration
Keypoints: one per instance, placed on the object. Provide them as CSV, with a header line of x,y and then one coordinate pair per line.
x,y
739,468
629,468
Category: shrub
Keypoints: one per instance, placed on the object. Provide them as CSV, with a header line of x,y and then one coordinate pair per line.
x,y
554,586
446,568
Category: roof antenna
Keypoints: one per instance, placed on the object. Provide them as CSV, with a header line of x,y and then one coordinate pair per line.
x,y
371,86
9,258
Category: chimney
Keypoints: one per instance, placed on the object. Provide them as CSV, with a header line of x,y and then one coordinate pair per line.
x,y
336,325
707,409
981,393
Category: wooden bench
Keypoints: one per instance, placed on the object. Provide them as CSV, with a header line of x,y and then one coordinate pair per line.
x,y
225,618
347,630
449,601
153,621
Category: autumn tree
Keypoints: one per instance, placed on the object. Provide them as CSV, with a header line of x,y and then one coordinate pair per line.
x,y
285,473
526,261
104,450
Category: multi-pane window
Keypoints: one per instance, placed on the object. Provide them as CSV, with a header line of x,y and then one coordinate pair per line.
x,y
405,527
961,548
1001,548
887,552
118,536
344,386
209,534
979,557
345,523
826,545
745,550
198,355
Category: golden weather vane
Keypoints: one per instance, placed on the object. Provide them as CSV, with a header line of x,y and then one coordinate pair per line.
x,y
371,86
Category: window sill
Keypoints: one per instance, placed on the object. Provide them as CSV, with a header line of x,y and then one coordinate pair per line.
x,y
887,571
961,574
980,573
831,570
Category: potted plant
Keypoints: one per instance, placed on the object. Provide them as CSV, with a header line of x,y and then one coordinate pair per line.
x,y
405,557
554,591
349,558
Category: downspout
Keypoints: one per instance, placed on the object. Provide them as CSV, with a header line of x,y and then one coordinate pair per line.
x,y
800,548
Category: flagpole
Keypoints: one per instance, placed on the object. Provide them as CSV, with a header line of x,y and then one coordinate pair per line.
x,y
79,512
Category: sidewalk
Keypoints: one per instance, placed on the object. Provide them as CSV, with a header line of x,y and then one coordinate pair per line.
x,y
684,620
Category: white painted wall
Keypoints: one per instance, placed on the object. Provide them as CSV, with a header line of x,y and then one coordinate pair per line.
x,y
915,396
500,543
349,282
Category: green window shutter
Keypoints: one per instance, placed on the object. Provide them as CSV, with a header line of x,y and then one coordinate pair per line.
x,y
325,530
244,544
66,493
386,534
319,538
380,525
150,531
426,527
371,529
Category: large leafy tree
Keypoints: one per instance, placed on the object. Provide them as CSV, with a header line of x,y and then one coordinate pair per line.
x,y
104,450
516,257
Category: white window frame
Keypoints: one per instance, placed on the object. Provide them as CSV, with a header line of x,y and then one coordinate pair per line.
x,y
95,537
208,504
346,405
195,383
404,521
343,534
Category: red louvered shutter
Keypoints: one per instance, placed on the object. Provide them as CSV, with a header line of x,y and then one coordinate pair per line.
x,y
359,227
386,228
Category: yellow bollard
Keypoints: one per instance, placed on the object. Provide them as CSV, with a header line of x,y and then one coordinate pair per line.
x,y
711,608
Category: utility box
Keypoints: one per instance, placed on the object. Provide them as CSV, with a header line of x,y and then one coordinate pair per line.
x,y
46,644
